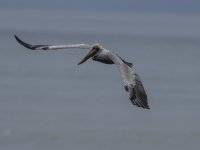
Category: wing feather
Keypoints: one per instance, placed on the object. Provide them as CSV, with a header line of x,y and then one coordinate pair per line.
x,y
51,47
131,82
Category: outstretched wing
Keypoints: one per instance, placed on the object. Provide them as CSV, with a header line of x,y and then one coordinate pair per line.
x,y
131,82
51,47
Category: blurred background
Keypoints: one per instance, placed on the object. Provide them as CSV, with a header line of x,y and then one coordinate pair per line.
x,y
47,102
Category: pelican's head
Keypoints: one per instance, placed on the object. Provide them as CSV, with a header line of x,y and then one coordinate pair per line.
x,y
95,48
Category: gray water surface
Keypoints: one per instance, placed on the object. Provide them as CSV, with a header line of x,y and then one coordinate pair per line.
x,y
47,102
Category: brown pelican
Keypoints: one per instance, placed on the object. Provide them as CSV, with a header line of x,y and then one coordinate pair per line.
x,y
130,79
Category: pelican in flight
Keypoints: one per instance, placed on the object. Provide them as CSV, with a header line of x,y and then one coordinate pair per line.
x,y
130,79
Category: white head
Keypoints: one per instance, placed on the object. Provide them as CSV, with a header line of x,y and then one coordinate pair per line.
x,y
95,48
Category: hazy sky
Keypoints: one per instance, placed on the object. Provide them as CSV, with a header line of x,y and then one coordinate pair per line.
x,y
174,6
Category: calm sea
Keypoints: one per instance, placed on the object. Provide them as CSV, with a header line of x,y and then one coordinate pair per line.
x,y
47,102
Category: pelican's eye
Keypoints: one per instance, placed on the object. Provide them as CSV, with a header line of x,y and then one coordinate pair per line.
x,y
95,47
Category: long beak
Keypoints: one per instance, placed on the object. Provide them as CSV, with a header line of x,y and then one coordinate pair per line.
x,y
90,54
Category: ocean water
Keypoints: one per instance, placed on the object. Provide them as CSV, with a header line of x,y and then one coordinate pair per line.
x,y
47,102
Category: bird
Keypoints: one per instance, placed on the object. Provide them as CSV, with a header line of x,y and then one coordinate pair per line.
x,y
130,79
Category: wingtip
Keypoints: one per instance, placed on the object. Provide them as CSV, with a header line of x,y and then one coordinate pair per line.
x,y
16,37
144,107
23,43
147,107
139,104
